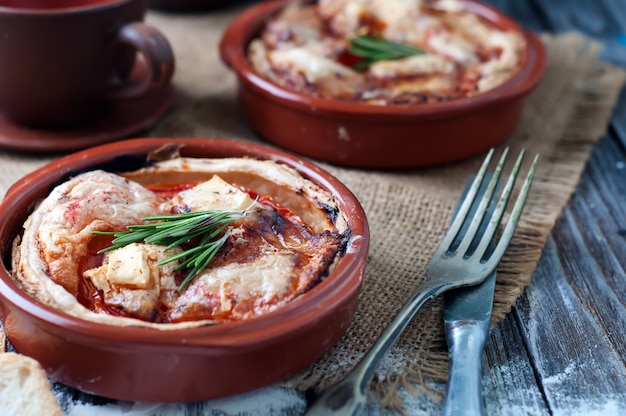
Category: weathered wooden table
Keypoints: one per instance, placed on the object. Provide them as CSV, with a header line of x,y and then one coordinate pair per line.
x,y
562,350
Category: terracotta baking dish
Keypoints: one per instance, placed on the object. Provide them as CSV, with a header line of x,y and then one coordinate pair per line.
x,y
143,364
368,136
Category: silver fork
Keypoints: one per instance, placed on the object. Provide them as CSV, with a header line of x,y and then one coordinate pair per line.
x,y
450,267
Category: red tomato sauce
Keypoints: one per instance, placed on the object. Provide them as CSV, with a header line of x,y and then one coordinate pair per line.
x,y
169,190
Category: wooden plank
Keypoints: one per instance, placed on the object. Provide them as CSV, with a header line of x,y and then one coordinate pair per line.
x,y
599,209
522,12
579,370
602,20
618,121
574,313
560,16
273,400
615,38
576,339
509,383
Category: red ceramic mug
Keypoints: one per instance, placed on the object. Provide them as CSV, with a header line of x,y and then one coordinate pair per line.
x,y
64,61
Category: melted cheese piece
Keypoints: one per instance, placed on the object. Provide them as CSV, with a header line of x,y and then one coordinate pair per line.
x,y
131,280
302,24
395,12
313,66
414,65
308,66
216,194
453,46
128,266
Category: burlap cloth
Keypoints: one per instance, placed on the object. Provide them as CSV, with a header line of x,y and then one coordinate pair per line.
x,y
408,211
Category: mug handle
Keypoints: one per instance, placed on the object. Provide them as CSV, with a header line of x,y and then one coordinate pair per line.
x,y
157,54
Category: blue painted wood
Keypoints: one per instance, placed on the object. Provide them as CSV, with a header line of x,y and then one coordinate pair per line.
x,y
509,383
618,121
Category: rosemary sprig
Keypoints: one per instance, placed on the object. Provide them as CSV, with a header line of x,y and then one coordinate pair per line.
x,y
375,49
174,230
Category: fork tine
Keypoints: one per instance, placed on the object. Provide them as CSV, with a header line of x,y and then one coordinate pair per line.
x,y
482,207
468,201
498,212
516,212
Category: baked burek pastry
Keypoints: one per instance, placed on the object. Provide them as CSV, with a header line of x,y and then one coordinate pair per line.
x,y
290,236
306,48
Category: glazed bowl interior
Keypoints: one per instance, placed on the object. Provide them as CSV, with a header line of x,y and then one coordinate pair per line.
x,y
30,324
379,136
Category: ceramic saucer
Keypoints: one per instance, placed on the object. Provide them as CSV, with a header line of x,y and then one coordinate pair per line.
x,y
122,120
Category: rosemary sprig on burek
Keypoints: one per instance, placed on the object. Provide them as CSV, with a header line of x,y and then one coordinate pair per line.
x,y
177,229
375,49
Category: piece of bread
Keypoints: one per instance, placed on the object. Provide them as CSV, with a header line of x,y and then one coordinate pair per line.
x,y
24,388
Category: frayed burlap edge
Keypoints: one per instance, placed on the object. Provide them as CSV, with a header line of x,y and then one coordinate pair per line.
x,y
563,121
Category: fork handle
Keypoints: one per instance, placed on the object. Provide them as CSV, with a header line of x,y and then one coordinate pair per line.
x,y
348,397
465,349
